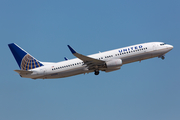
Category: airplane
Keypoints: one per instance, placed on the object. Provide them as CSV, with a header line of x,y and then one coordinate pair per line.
x,y
106,61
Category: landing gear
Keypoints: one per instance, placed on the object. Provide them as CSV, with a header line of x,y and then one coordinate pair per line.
x,y
162,57
96,72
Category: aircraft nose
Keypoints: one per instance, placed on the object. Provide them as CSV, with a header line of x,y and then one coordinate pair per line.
x,y
170,47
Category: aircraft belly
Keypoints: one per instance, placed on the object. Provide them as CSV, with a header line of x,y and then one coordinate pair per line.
x,y
157,53
137,57
67,73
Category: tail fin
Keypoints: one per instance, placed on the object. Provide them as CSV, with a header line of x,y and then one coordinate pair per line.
x,y
24,60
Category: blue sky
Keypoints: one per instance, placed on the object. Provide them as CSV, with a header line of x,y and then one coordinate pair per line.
x,y
140,91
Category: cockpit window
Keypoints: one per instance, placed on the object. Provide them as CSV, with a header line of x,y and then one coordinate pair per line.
x,y
163,44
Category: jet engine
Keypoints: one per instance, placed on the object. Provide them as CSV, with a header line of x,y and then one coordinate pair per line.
x,y
113,65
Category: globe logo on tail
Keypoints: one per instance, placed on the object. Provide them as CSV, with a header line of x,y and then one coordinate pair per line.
x,y
28,62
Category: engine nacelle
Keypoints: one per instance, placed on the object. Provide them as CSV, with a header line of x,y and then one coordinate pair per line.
x,y
114,63
112,69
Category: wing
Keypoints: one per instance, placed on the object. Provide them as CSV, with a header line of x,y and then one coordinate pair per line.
x,y
92,63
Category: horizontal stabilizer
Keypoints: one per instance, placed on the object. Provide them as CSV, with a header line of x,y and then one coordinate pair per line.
x,y
22,72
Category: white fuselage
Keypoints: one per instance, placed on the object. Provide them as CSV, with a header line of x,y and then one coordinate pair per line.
x,y
76,66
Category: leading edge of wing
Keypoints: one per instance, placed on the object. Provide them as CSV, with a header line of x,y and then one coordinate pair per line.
x,y
85,58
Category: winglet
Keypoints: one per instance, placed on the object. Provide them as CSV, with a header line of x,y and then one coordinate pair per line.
x,y
71,49
66,58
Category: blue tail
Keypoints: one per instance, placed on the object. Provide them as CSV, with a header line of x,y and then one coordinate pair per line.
x,y
24,60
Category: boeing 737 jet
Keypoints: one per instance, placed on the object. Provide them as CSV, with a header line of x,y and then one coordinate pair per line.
x,y
104,61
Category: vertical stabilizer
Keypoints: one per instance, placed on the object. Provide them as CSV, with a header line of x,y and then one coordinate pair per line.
x,y
24,60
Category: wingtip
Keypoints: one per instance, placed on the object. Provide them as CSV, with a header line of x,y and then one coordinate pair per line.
x,y
65,58
71,49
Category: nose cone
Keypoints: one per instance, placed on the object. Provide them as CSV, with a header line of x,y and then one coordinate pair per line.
x,y
170,47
